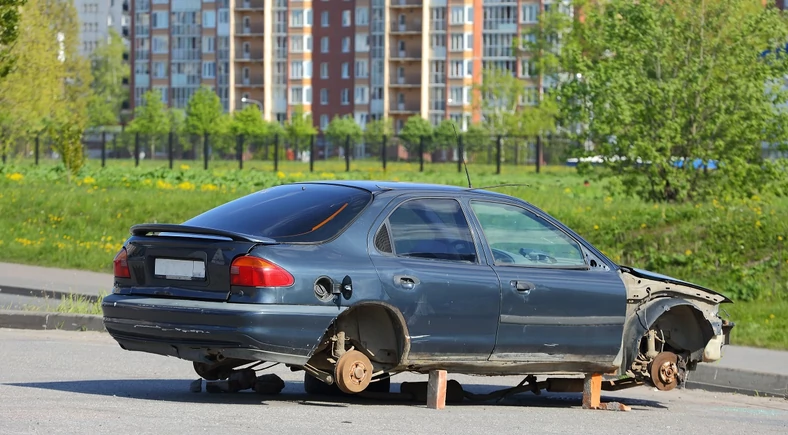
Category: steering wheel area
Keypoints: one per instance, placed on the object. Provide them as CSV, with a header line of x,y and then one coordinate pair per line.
x,y
502,257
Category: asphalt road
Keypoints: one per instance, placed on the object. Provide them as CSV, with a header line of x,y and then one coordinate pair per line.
x,y
54,382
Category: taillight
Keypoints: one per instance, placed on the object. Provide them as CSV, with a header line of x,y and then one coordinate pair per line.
x,y
121,264
249,271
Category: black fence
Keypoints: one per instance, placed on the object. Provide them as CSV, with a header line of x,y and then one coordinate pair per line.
x,y
498,151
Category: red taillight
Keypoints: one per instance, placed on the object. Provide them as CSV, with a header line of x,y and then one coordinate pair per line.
x,y
121,264
251,271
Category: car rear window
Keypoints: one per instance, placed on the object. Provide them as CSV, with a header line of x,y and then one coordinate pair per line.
x,y
292,213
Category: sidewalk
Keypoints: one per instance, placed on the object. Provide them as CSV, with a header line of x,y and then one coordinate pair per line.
x,y
743,370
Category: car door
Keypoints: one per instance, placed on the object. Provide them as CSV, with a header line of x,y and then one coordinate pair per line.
x,y
428,261
554,307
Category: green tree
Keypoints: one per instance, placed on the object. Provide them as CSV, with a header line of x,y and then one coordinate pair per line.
x,y
151,119
249,122
499,99
445,134
375,131
413,131
657,81
299,129
204,113
9,32
109,72
342,127
476,138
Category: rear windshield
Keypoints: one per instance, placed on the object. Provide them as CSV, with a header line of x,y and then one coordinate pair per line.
x,y
292,213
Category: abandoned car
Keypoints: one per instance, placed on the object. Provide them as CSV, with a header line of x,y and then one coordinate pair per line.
x,y
354,281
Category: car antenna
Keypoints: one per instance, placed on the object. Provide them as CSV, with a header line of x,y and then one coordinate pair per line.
x,y
461,152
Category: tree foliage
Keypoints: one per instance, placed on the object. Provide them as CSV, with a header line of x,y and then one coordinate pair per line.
x,y
109,71
343,127
660,85
9,32
446,133
415,129
299,128
204,113
151,117
476,137
249,122
375,131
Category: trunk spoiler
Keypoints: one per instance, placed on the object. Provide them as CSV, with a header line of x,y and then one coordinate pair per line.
x,y
146,229
640,273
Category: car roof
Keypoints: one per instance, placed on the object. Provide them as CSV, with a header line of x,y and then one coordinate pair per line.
x,y
382,186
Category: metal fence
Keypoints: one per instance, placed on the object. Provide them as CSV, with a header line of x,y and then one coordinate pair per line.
x,y
498,151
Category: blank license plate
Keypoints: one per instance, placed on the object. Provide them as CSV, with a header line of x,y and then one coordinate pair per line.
x,y
180,269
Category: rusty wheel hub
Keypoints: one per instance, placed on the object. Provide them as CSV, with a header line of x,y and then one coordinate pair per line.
x,y
664,371
353,372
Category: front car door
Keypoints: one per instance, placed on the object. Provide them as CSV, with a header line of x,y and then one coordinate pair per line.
x,y
431,267
555,307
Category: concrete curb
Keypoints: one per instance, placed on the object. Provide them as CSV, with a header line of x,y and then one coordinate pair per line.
x,y
46,294
728,380
15,319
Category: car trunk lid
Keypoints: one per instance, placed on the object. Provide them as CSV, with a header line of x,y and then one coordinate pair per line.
x,y
184,262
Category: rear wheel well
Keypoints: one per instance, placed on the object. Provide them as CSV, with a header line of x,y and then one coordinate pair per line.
x,y
376,329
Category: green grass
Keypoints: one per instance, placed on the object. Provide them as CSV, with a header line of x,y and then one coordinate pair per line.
x,y
736,247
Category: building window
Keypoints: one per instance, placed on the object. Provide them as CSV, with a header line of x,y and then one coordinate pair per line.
x,y
455,96
297,18
296,95
307,94
362,69
209,19
209,70
308,43
362,95
345,18
344,97
324,19
362,42
296,70
525,68
362,16
159,19
297,44
159,70
457,42
324,122
208,44
324,96
346,44
345,70
458,15
529,13
160,44
324,44
323,70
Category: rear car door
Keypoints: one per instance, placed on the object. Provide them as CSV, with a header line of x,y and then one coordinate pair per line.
x,y
429,264
554,306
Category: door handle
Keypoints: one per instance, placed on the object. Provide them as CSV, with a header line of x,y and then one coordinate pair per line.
x,y
523,286
406,282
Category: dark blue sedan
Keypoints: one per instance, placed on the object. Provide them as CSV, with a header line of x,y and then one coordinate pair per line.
x,y
352,281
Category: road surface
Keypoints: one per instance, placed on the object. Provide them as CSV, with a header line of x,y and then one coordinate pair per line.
x,y
54,382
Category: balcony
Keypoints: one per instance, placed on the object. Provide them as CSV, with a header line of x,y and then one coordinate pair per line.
x,y
406,108
405,81
250,5
253,30
183,54
412,28
251,81
141,31
249,56
406,55
403,4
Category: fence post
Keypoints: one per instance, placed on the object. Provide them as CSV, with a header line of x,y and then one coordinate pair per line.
x,y
115,145
538,153
276,152
383,152
421,154
516,152
460,154
103,148
347,153
137,149
498,155
239,146
170,153
37,148
312,153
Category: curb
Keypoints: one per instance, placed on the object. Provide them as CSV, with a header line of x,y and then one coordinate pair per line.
x,y
727,380
46,294
43,320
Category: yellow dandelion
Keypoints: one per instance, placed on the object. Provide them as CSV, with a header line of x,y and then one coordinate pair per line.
x,y
280,175
642,225
567,190
780,238
208,187
757,224
88,180
688,252
596,227
16,176
184,167
186,186
771,316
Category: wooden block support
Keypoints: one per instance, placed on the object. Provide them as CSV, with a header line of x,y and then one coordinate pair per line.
x,y
436,389
592,391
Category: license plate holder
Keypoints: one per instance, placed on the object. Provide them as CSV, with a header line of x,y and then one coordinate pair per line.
x,y
183,270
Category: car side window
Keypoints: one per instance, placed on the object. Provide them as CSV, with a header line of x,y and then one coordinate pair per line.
x,y
431,228
521,238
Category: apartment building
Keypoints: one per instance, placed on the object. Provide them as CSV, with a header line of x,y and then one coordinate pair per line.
x,y
365,58
96,17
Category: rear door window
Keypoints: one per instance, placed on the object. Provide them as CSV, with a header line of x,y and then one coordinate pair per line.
x,y
293,213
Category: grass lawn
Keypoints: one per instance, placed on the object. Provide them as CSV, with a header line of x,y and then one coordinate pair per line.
x,y
733,246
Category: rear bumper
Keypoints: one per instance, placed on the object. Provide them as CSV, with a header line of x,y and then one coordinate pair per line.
x,y
200,330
